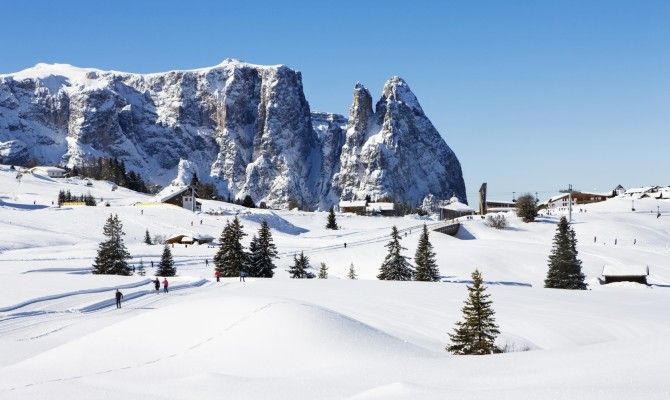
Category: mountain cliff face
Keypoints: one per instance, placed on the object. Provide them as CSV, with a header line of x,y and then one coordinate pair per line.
x,y
395,152
246,128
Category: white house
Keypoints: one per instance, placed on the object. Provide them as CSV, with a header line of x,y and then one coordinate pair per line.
x,y
51,172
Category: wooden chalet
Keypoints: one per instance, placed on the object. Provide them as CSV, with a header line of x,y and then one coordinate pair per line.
x,y
624,273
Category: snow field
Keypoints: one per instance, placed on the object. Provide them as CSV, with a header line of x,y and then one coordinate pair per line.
x,y
61,337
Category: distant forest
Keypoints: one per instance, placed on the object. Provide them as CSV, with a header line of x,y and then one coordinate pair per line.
x,y
113,170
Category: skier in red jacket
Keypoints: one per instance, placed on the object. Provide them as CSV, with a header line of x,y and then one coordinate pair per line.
x,y
165,285
217,274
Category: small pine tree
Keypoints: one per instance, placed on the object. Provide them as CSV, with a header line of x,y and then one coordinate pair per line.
x,y
426,266
166,265
300,267
477,332
323,271
395,266
565,269
352,272
112,253
526,207
262,252
147,237
141,271
248,202
231,258
332,222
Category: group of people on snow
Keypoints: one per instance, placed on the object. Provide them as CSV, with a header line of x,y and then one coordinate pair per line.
x,y
157,286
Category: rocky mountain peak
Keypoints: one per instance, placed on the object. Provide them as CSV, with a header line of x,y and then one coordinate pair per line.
x,y
246,128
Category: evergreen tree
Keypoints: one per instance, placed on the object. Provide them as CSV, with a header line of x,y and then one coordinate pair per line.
x,y
112,253
147,237
352,272
526,207
323,271
166,265
477,332
300,267
231,258
248,202
426,266
395,266
141,271
332,222
565,269
262,251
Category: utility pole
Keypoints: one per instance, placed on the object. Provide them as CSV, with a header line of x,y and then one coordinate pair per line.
x,y
633,205
569,203
513,197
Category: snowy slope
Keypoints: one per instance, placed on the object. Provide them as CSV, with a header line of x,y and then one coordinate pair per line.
x,y
61,337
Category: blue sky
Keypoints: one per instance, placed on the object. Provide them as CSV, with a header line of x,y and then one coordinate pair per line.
x,y
530,95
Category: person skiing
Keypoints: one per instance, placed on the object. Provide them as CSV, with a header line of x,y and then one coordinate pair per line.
x,y
345,245
217,274
157,285
242,275
206,262
119,296
165,285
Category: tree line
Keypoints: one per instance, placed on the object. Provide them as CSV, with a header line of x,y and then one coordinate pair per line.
x,y
113,170
65,196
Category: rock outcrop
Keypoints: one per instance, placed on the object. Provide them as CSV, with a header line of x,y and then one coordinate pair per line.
x,y
246,128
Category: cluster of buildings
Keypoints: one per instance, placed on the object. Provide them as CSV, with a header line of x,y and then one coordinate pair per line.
x,y
366,207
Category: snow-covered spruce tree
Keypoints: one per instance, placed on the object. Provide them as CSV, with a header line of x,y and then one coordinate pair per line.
x,y
166,265
112,252
352,272
323,271
300,267
565,269
141,271
231,258
477,332
424,259
332,222
147,237
526,207
262,252
575,275
395,266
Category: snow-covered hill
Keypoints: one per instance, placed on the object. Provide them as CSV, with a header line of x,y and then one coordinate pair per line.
x,y
61,337
247,128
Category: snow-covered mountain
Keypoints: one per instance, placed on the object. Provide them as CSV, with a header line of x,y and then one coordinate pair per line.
x,y
247,128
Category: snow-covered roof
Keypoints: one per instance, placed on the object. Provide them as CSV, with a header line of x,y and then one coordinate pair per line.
x,y
456,205
169,192
381,206
48,169
352,203
625,270
202,236
644,189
